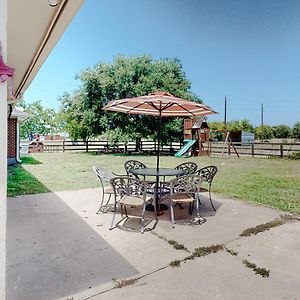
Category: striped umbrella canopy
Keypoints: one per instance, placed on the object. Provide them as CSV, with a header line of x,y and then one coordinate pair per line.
x,y
160,104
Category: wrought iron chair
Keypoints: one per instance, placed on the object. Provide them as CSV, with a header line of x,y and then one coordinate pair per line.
x,y
188,167
133,165
185,189
208,173
132,192
104,175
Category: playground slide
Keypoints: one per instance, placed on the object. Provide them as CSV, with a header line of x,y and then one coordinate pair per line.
x,y
185,148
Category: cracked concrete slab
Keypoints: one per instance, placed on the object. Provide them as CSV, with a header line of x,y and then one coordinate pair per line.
x,y
217,276
52,252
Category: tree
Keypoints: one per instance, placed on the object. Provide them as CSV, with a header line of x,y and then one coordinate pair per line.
x,y
267,130
244,125
125,77
282,131
42,120
296,131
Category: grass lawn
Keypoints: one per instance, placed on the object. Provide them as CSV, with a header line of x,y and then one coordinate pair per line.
x,y
273,182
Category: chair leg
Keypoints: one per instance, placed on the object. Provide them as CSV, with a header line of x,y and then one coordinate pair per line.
x,y
172,214
191,208
155,210
102,200
143,218
209,191
198,211
114,216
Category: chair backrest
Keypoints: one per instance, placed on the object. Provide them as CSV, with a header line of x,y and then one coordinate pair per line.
x,y
190,184
208,173
132,165
188,168
103,174
123,185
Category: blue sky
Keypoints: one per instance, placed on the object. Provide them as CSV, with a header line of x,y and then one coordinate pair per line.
x,y
248,50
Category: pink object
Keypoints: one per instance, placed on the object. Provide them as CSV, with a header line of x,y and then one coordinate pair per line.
x,y
6,72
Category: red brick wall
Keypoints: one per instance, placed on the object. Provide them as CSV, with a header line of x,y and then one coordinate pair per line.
x,y
12,138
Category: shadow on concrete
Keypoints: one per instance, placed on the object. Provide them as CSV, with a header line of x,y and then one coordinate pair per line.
x,y
52,252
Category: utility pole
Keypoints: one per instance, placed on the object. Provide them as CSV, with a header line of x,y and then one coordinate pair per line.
x,y
225,113
262,122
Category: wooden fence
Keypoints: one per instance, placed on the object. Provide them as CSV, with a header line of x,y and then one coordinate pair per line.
x,y
254,150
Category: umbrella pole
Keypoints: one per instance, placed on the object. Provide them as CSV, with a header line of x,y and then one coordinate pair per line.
x,y
157,162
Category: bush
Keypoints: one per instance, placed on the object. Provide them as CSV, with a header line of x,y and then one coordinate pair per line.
x,y
294,155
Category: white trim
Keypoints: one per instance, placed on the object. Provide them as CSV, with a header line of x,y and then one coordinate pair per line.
x,y
3,149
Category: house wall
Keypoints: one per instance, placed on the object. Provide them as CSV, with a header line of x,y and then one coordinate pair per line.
x,y
12,141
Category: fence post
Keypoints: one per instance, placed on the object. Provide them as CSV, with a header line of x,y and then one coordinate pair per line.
x,y
141,146
281,150
252,149
87,146
154,145
64,146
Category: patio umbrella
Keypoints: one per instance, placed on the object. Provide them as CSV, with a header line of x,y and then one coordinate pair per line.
x,y
160,104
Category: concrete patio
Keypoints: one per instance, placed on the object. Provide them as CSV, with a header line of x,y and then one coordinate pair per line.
x,y
58,248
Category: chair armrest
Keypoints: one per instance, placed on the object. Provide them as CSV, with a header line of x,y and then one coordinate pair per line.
x,y
119,175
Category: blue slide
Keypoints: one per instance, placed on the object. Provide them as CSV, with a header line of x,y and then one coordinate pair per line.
x,y
184,150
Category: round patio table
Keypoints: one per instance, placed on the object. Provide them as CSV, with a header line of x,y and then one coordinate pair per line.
x,y
161,172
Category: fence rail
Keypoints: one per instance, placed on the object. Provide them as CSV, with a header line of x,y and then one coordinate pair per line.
x,y
255,149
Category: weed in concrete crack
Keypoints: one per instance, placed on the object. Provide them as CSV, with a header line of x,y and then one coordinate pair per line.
x,y
263,272
262,227
124,282
234,253
177,246
267,226
159,236
175,263
190,257
203,251
289,217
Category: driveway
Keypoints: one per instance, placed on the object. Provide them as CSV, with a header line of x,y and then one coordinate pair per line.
x,y
58,248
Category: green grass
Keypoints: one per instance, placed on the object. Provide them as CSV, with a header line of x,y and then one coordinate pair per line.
x,y
29,160
21,182
272,182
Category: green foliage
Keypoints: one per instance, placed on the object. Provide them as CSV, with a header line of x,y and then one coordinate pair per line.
x,y
296,131
294,155
125,77
282,131
267,132
42,120
243,125
115,136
